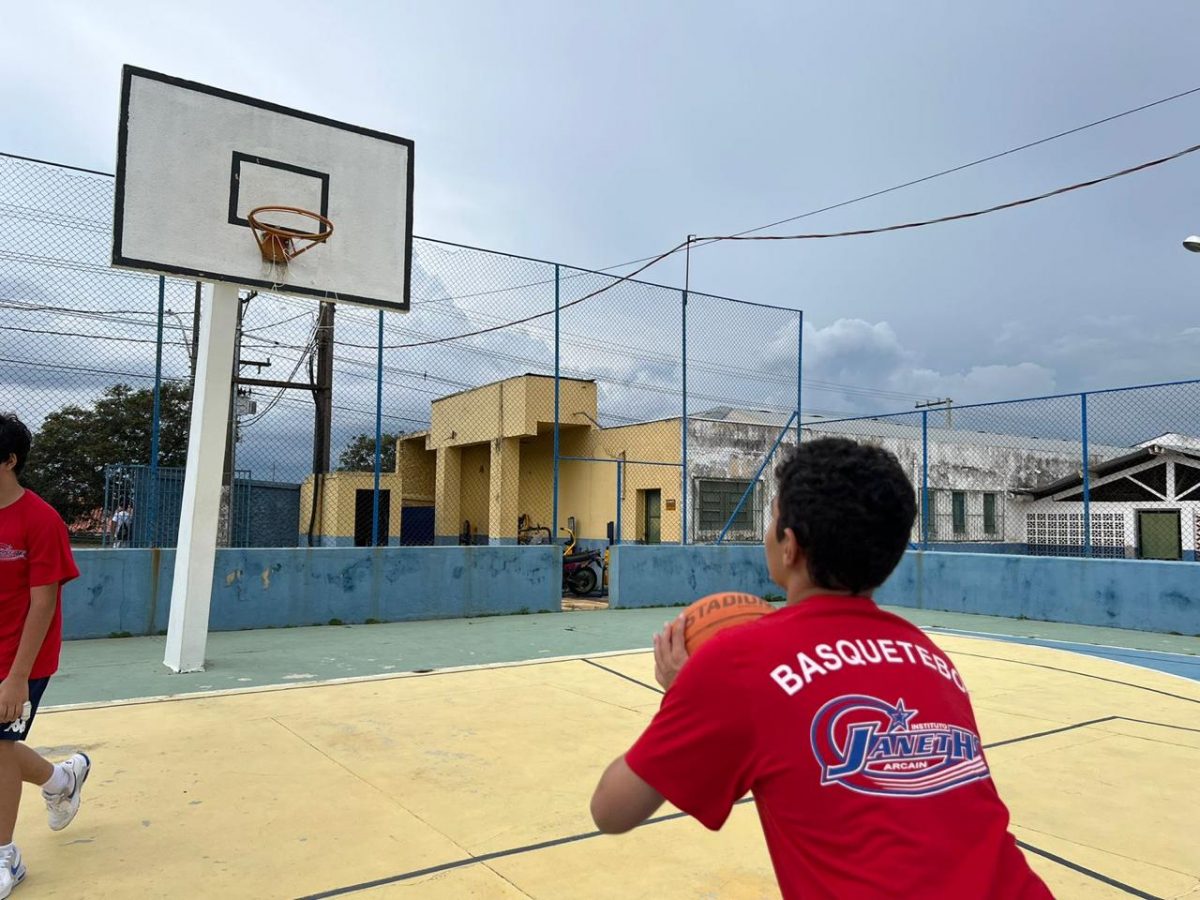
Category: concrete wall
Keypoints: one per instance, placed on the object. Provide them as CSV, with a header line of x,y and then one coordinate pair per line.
x,y
1136,594
129,591
1116,593
671,574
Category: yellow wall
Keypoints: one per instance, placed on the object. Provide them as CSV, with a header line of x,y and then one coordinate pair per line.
x,y
475,487
488,458
336,518
417,468
510,408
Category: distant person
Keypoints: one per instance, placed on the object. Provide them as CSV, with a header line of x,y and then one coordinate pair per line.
x,y
35,562
122,525
851,729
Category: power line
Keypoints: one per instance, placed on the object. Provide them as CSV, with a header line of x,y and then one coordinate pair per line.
x,y
837,234
975,162
873,194
959,216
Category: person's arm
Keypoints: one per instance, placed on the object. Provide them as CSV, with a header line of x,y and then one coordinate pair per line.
x,y
622,800
14,690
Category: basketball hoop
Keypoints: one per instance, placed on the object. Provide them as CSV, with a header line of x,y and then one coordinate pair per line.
x,y
280,243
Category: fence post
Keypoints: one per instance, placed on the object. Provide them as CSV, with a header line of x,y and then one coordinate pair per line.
x,y
683,476
924,479
554,489
799,378
378,438
156,416
1087,480
620,497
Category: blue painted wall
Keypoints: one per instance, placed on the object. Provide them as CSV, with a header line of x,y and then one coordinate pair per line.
x,y
670,574
128,591
1117,593
1137,594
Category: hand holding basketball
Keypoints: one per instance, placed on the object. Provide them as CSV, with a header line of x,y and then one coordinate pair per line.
x,y
670,652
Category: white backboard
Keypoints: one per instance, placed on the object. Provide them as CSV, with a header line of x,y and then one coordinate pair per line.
x,y
193,160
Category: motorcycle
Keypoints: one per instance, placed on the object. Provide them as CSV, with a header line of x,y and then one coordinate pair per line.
x,y
582,571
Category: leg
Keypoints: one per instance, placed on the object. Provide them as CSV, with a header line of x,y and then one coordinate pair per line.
x,y
34,769
10,790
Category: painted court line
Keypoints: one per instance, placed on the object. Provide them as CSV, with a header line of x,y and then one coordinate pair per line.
x,y
575,838
350,679
1140,687
1091,650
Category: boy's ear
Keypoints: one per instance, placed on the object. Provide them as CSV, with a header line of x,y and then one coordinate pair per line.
x,y
791,548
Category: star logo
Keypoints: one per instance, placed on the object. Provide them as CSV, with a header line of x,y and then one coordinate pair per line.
x,y
899,717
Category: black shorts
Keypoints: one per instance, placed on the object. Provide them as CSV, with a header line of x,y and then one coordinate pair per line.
x,y
19,730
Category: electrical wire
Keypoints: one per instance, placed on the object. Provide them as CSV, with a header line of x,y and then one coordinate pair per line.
x,y
854,233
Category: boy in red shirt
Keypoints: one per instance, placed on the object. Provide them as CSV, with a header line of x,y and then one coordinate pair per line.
x,y
35,562
853,731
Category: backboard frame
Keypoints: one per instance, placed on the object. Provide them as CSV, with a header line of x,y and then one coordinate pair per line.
x,y
121,260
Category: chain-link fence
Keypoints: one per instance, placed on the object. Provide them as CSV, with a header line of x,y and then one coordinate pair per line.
x,y
349,426
1106,474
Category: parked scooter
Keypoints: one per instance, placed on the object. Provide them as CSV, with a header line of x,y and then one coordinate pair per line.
x,y
582,571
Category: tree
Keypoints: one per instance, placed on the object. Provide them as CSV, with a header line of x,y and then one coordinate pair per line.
x,y
75,443
359,455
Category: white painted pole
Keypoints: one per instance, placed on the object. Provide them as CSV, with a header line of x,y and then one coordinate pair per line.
x,y
196,548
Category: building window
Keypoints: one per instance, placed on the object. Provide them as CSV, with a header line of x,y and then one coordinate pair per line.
x,y
989,515
958,507
716,500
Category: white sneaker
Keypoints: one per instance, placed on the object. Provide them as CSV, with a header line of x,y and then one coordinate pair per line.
x,y
12,871
63,807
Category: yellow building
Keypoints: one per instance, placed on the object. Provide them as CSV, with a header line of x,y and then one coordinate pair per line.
x,y
487,463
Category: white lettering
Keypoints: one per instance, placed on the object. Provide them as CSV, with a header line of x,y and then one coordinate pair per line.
x,y
957,679
808,667
924,654
874,649
787,679
889,651
942,667
852,658
907,649
833,662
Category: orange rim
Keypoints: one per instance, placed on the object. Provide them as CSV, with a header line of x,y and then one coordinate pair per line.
x,y
278,243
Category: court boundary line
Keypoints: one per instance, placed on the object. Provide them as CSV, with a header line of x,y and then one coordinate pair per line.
x,y
1030,642
1140,687
327,682
482,858
449,670
1020,638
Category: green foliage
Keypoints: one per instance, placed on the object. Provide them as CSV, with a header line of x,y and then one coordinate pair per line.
x,y
75,443
359,454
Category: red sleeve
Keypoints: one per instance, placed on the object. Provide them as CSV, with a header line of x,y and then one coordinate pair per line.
x,y
698,750
49,548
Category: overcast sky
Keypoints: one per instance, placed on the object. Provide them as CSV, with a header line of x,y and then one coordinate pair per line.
x,y
595,133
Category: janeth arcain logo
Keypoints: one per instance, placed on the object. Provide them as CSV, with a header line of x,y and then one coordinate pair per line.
x,y
874,747
9,553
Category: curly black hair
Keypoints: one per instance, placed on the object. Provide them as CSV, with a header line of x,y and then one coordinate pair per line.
x,y
851,507
14,438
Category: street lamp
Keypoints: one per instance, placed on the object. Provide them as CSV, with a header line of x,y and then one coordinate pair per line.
x,y
1193,243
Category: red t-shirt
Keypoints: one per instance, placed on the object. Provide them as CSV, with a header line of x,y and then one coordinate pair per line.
x,y
856,736
34,551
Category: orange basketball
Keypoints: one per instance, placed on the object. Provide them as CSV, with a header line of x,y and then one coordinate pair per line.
x,y
716,612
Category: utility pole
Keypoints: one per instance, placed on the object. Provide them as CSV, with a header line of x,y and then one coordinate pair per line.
x,y
946,403
322,389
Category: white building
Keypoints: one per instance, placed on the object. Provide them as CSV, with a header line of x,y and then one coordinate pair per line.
x,y
987,492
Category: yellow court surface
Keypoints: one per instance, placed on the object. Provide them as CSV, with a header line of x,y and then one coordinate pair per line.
x,y
475,783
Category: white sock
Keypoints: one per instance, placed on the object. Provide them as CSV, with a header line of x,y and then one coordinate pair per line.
x,y
8,850
59,782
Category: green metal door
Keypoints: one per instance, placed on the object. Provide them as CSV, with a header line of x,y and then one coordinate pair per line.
x,y
653,529
1158,534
